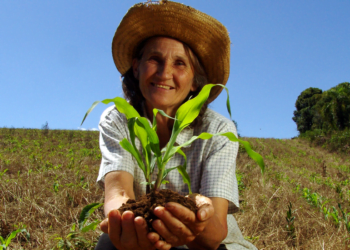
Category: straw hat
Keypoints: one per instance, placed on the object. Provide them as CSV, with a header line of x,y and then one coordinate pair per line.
x,y
205,35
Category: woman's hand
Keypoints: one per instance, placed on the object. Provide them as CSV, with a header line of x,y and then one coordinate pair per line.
x,y
178,225
129,233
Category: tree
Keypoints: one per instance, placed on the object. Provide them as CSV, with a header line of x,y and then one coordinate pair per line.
x,y
305,111
334,108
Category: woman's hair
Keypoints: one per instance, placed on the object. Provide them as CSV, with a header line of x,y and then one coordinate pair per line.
x,y
133,93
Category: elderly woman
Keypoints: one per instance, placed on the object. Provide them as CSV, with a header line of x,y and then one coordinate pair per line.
x,y
166,52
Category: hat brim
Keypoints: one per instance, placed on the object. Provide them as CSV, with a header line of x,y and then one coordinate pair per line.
x,y
205,35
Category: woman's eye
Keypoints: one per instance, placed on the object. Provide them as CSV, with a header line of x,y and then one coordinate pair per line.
x,y
180,63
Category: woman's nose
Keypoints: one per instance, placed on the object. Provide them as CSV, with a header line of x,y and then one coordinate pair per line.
x,y
165,71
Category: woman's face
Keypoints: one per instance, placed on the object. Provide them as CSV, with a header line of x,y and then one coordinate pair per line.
x,y
165,74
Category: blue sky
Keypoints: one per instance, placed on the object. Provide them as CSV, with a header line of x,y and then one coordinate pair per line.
x,y
55,59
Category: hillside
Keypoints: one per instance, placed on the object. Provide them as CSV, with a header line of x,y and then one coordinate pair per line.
x,y
48,176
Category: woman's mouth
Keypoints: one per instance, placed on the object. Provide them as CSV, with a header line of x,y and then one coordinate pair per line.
x,y
161,86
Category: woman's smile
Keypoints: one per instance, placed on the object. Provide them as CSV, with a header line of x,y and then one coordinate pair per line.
x,y
161,86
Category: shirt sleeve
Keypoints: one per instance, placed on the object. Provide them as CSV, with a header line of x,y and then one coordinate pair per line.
x,y
219,177
113,129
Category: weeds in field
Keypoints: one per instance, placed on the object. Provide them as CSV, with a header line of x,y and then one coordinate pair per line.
x,y
74,239
3,172
49,215
290,223
6,242
345,217
335,216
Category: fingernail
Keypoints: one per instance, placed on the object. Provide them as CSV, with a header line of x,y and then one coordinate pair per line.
x,y
139,220
159,210
203,215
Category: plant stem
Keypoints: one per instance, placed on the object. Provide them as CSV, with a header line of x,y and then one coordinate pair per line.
x,y
159,177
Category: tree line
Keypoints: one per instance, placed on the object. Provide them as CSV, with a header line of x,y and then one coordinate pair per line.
x,y
324,110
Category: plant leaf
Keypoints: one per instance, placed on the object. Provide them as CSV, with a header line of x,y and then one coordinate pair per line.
x,y
183,172
86,212
167,170
232,137
153,163
13,235
123,107
190,109
154,124
130,112
129,147
89,110
165,114
152,135
91,226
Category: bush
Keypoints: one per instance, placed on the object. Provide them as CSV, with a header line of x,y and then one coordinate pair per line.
x,y
334,141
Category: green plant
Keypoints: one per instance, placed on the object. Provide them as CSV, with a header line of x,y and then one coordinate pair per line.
x,y
6,242
345,218
74,240
55,186
335,216
3,172
241,185
139,127
290,222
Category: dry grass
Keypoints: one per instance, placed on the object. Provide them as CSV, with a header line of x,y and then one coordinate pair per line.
x,y
263,212
37,161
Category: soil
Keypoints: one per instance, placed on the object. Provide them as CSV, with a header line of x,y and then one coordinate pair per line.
x,y
147,203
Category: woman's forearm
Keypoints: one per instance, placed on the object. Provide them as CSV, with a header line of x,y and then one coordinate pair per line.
x,y
118,189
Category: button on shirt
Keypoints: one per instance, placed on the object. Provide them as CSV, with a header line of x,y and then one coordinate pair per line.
x,y
211,164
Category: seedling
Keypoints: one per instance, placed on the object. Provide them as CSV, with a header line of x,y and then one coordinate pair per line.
x,y
290,222
3,172
74,238
140,127
345,218
4,243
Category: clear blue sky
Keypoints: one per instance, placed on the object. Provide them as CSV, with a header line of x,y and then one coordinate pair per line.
x,y
55,59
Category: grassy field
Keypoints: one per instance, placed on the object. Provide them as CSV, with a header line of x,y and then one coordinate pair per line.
x,y
48,176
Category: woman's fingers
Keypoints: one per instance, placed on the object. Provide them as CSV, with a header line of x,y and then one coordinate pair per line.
x,y
162,245
180,212
205,205
104,226
128,235
142,234
114,226
173,230
158,244
205,212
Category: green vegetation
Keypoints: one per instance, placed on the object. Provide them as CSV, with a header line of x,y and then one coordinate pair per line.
x,y
31,162
139,127
47,178
304,115
4,243
324,117
290,222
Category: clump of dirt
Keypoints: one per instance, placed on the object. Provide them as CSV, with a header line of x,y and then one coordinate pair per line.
x,y
147,203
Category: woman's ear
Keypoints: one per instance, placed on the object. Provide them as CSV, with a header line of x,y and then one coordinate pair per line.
x,y
135,68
